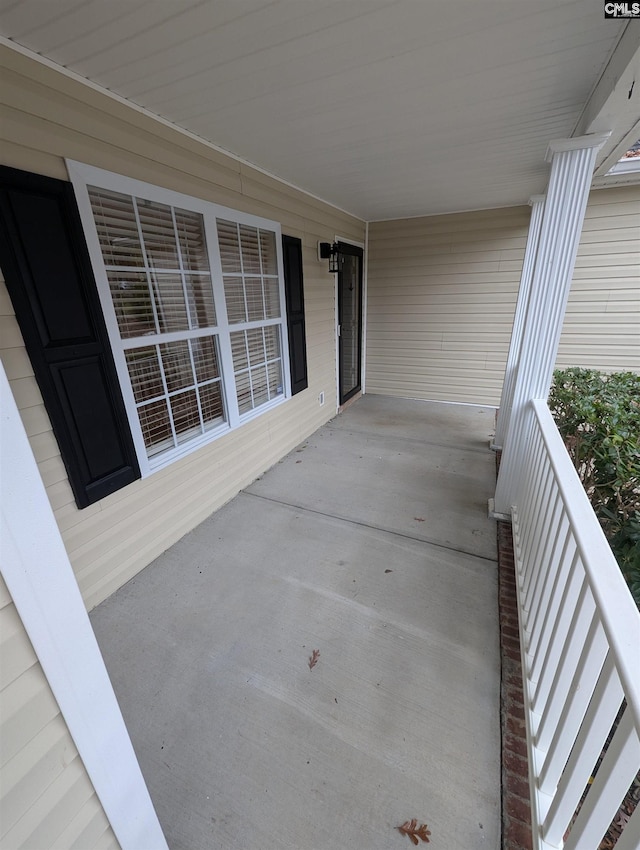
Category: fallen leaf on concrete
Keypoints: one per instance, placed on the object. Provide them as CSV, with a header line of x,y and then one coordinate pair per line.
x,y
419,518
313,658
388,571
415,831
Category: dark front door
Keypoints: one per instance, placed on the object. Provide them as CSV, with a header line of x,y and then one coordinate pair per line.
x,y
349,320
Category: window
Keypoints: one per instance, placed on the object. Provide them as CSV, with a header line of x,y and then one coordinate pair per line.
x,y
193,299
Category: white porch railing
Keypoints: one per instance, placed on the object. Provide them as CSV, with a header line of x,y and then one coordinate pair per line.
x,y
580,645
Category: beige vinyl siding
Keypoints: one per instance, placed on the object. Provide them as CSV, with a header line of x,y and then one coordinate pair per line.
x,y
602,324
48,116
442,292
441,295
47,800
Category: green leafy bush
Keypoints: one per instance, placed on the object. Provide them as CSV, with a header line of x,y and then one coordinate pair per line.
x,y
598,417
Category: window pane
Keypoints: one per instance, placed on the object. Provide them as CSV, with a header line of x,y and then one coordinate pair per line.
x,y
211,404
268,252
250,249
255,306
170,306
229,246
239,350
255,345
272,342
144,371
272,298
117,228
158,234
193,245
259,386
177,365
156,427
132,303
186,418
200,295
205,358
234,297
243,391
275,379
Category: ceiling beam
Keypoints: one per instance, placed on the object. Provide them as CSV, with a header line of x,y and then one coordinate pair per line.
x,y
614,104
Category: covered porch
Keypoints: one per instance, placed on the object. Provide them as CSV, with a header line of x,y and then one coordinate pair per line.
x,y
370,543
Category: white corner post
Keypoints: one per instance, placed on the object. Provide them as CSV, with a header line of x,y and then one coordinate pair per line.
x,y
572,164
42,584
513,359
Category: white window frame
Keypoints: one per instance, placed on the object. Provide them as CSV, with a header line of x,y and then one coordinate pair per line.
x,y
82,176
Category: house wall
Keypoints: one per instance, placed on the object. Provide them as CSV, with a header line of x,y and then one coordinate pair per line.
x,y
48,116
442,292
441,296
46,796
602,323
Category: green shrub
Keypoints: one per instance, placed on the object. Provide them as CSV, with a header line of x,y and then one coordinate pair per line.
x,y
598,417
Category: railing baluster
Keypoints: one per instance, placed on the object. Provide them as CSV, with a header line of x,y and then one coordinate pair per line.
x,y
618,768
573,712
629,838
559,629
539,536
532,516
580,633
552,540
603,708
568,656
552,577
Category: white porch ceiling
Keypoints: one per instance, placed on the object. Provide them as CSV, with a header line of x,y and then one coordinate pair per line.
x,y
386,108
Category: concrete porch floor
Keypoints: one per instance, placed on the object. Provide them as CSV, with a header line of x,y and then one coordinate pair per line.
x,y
370,543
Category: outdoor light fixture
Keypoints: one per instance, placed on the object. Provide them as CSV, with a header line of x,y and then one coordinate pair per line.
x,y
329,251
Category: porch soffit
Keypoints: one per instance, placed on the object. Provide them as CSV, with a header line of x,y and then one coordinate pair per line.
x,y
385,109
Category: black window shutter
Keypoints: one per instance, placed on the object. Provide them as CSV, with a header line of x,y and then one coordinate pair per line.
x,y
293,284
50,280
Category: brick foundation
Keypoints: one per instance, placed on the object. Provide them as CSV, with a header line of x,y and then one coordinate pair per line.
x,y
516,806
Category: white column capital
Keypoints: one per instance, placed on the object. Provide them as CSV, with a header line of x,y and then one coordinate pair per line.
x,y
594,140
537,199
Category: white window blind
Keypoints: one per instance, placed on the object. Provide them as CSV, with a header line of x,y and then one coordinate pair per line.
x,y
193,298
250,272
176,384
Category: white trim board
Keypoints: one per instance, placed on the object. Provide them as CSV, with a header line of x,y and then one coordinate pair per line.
x,y
40,579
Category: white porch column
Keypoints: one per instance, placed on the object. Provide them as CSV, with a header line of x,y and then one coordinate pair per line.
x,y
572,164
506,399
42,584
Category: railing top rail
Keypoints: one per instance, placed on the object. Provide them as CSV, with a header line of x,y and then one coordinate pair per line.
x,y
618,613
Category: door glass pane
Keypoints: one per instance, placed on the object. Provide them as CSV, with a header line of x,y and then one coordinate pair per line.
x,y
350,313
